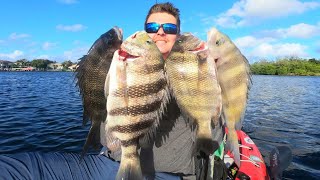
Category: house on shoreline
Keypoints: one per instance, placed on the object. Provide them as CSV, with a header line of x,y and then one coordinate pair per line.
x,y
26,68
73,67
5,65
55,66
9,66
36,66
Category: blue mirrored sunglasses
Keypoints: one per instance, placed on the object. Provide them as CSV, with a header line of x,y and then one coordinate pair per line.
x,y
168,28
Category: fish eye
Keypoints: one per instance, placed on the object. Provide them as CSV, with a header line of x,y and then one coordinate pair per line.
x,y
220,42
148,41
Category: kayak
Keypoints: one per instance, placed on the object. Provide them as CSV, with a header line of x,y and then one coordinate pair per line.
x,y
252,165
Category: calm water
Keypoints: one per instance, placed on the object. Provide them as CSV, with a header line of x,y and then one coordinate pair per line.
x,y
42,111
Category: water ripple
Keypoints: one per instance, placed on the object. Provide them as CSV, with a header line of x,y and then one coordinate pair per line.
x,y
42,111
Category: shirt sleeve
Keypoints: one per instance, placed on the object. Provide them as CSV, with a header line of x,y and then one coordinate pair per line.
x,y
52,166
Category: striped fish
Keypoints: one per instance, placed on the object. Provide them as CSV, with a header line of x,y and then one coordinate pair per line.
x,y
233,71
137,94
90,75
192,79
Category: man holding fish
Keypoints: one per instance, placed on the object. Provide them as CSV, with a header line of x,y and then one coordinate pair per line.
x,y
169,147
189,126
166,102
165,114
155,121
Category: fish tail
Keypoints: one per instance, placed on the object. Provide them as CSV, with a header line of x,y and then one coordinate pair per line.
x,y
130,167
233,145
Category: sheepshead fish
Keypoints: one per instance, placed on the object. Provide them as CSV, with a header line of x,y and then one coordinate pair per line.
x,y
137,93
233,71
90,75
192,79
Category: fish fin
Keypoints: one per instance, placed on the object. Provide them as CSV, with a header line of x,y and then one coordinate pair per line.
x,y
90,76
93,138
106,137
108,140
233,146
218,131
146,141
80,78
106,86
238,124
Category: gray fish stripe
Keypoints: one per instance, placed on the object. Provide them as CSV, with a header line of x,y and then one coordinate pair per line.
x,y
238,101
149,69
131,155
93,90
200,107
237,78
129,142
135,127
195,92
136,110
194,77
142,90
233,63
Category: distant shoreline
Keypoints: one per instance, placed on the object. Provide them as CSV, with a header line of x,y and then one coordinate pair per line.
x,y
252,73
286,75
39,71
287,67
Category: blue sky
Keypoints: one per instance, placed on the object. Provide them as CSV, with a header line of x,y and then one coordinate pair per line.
x,y
62,30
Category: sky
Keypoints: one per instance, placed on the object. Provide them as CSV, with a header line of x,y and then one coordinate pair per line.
x,y
61,30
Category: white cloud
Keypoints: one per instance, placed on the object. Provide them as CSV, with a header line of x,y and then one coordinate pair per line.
x,y
225,21
246,12
15,54
72,28
14,36
301,30
250,41
267,50
48,45
68,1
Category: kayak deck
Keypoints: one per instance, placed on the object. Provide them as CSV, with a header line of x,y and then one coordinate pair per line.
x,y
252,164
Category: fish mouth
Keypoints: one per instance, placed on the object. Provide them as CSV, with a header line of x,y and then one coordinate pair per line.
x,y
125,56
201,47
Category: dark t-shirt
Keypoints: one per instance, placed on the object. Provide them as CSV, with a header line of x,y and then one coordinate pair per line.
x,y
172,150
